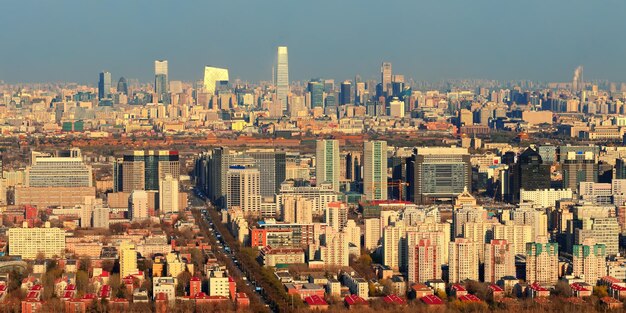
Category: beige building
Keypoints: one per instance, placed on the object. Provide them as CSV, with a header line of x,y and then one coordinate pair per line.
x,y
218,284
28,242
128,259
499,260
463,262
372,233
542,262
168,195
589,261
43,197
297,209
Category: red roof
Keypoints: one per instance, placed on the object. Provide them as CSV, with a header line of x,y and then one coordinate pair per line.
x,y
105,291
611,279
70,287
32,295
537,287
89,296
315,300
195,278
161,296
68,294
495,288
35,287
618,287
355,300
469,298
432,300
394,299
578,287
458,287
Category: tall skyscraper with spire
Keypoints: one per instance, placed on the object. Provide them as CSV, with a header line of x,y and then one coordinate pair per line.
x,y
161,81
282,77
577,81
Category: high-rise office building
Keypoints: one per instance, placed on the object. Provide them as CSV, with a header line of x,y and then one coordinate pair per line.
x,y
138,205
122,86
128,259
542,261
579,166
438,173
385,77
142,170
327,167
620,168
161,85
104,86
346,93
463,262
316,91
424,261
337,215
212,75
529,173
243,189
282,77
58,170
271,165
499,260
589,261
168,195
375,170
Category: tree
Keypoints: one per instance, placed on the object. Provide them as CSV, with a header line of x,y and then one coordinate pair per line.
x,y
600,291
183,282
82,281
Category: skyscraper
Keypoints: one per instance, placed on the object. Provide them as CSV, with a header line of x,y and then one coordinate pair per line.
x,y
577,81
499,260
346,93
385,77
316,90
282,77
122,86
463,263
579,166
243,189
104,86
424,261
529,173
589,261
161,86
168,195
375,170
542,261
142,170
327,162
212,75
271,165
438,173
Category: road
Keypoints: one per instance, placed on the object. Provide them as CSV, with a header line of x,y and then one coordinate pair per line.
x,y
216,239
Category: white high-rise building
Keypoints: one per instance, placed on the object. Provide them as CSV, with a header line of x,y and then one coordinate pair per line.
x,y
282,77
327,166
101,217
213,75
334,250
353,234
168,195
463,263
542,261
48,170
372,233
297,209
138,205
337,215
375,170
244,189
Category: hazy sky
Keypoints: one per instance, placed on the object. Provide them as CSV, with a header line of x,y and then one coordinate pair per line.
x,y
61,40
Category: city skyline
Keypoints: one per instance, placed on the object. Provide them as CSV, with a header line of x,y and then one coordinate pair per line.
x,y
478,40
